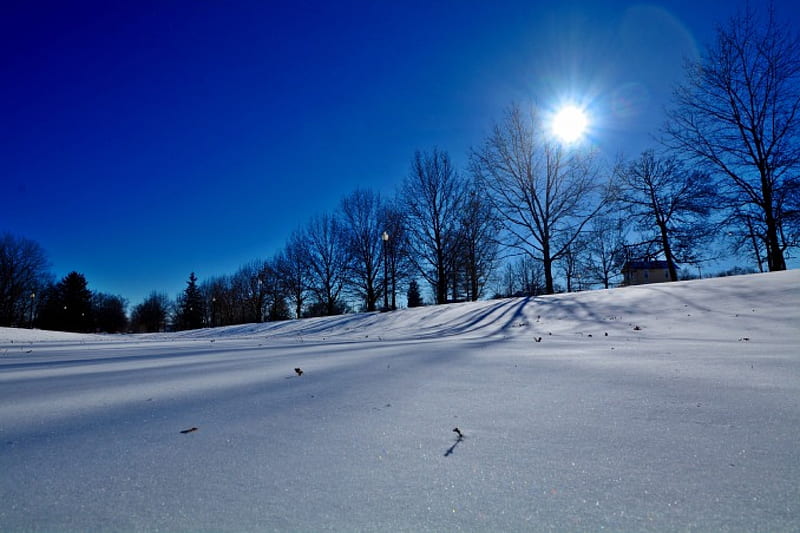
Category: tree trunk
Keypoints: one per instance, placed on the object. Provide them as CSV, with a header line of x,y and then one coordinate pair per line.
x,y
547,265
673,272
775,259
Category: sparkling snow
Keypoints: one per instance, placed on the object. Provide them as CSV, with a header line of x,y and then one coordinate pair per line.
x,y
671,407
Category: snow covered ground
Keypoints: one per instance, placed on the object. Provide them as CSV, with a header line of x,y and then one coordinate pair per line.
x,y
659,408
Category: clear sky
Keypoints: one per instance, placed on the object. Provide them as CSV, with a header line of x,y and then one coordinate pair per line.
x,y
141,141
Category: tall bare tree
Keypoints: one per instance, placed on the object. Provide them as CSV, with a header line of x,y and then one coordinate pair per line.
x,y
220,301
433,196
109,312
360,213
478,251
327,258
396,249
738,113
23,276
544,192
275,307
669,202
294,272
252,291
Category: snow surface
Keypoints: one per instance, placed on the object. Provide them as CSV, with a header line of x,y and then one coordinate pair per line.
x,y
672,407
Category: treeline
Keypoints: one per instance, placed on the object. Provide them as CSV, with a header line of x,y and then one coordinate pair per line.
x,y
367,255
529,214
29,296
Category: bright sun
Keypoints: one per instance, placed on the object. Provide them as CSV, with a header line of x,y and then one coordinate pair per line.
x,y
570,123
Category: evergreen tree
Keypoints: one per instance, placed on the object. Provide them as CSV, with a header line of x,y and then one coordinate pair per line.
x,y
414,297
67,305
191,306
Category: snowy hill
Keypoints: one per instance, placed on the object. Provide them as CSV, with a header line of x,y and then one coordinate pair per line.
x,y
655,408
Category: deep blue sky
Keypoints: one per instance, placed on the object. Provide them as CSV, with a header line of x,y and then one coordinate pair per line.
x,y
141,141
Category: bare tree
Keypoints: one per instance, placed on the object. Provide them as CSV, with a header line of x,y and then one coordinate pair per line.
x,y
605,248
523,277
478,250
362,228
292,265
251,291
23,276
668,200
275,291
432,197
151,315
544,192
738,113
326,256
109,312
396,248
571,263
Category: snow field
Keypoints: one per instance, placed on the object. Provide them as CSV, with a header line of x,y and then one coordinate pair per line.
x,y
688,423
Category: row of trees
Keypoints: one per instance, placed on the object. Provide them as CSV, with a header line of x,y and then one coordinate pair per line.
x,y
361,256
30,297
727,169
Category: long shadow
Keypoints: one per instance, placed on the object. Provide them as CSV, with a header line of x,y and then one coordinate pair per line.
x,y
97,357
476,320
518,314
452,448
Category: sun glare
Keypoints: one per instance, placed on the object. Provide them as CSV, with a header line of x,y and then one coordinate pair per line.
x,y
570,123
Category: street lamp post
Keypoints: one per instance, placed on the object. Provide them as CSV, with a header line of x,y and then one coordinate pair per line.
x,y
385,238
33,306
260,302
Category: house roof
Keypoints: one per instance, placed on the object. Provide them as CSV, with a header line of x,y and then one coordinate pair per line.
x,y
645,265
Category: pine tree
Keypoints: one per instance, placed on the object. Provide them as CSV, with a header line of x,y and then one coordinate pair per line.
x,y
68,305
414,297
191,308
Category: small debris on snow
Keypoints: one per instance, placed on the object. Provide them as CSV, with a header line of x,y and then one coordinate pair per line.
x,y
537,339
298,371
637,328
744,339
458,432
185,431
